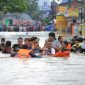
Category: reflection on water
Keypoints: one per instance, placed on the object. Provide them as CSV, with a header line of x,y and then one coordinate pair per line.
x,y
42,71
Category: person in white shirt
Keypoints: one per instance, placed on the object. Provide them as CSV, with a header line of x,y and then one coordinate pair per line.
x,y
55,43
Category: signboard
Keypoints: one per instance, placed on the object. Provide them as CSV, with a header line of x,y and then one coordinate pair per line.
x,y
73,14
61,22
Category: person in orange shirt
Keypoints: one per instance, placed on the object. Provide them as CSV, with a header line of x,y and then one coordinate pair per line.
x,y
24,52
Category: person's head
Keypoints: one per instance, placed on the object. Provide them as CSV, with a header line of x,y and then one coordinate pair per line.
x,y
30,43
36,45
34,40
64,44
76,42
60,38
26,41
24,46
2,40
8,43
49,45
51,36
20,41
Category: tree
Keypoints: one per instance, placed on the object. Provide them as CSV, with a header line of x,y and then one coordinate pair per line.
x,y
13,5
33,9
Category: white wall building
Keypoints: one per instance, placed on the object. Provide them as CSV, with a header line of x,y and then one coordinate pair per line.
x,y
44,5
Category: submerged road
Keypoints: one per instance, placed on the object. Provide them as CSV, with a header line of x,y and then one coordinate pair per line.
x,y
43,71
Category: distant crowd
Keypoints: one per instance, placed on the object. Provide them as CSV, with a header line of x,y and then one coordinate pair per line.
x,y
26,28
29,47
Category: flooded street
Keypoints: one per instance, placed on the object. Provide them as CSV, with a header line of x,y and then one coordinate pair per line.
x,y
41,71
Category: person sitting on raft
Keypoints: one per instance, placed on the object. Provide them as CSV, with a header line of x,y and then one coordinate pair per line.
x,y
64,52
48,50
76,48
7,48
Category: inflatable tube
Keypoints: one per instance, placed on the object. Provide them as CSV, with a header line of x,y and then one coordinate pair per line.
x,y
62,54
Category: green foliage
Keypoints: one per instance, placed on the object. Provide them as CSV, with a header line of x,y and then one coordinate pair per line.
x,y
33,10
13,5
28,6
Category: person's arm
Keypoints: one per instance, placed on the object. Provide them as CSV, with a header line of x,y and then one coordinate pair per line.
x,y
13,47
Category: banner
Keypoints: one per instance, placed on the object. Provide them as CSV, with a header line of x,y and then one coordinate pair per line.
x,y
61,22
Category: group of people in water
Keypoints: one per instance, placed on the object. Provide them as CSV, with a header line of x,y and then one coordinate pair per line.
x,y
52,47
